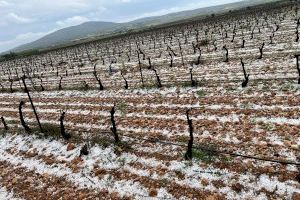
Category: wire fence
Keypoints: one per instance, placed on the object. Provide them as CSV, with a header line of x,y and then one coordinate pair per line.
x,y
203,148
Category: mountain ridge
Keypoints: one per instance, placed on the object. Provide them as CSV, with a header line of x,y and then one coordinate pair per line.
x,y
100,28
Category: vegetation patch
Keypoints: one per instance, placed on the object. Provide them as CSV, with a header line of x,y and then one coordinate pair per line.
x,y
201,93
204,42
122,107
204,155
49,130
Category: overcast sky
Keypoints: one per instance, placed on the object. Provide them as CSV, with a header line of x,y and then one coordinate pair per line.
x,y
24,21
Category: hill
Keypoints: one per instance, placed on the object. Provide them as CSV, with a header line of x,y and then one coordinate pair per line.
x,y
90,30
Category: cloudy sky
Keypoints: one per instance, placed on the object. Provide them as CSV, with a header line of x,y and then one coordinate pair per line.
x,y
24,21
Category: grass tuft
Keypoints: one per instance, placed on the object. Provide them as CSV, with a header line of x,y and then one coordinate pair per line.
x,y
49,130
122,107
201,93
205,156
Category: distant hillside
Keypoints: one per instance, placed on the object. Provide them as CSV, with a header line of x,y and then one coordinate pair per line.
x,y
93,29
70,34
